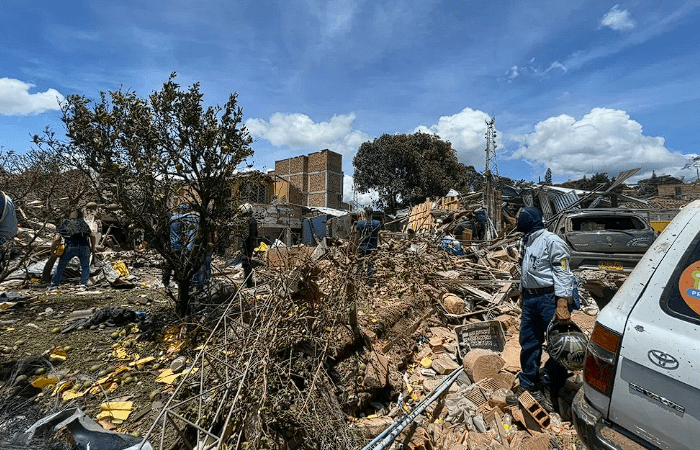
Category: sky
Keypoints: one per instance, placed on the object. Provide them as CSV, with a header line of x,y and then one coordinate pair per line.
x,y
577,86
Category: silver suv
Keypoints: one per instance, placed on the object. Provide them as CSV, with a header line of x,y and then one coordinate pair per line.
x,y
605,239
642,368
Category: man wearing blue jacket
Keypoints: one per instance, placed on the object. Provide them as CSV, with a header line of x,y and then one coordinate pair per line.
x,y
547,286
368,229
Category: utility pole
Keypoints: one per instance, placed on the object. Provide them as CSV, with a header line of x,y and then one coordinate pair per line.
x,y
491,160
492,196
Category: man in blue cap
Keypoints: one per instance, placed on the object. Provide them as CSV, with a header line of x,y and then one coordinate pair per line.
x,y
547,287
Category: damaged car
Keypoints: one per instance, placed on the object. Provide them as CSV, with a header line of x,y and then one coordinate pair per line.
x,y
605,239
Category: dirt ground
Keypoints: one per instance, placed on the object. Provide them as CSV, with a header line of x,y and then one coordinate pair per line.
x,y
30,331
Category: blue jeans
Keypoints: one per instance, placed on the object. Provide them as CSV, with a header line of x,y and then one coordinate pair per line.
x,y
202,277
71,251
538,311
365,256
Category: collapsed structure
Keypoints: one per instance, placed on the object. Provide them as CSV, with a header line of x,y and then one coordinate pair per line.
x,y
424,354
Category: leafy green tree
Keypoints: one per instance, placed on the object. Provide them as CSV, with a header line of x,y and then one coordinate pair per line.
x,y
405,169
149,155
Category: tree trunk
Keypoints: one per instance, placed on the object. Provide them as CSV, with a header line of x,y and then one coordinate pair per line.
x,y
183,297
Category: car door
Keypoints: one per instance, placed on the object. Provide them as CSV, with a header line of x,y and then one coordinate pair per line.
x,y
656,393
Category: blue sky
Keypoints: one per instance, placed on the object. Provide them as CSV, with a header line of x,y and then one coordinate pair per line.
x,y
578,86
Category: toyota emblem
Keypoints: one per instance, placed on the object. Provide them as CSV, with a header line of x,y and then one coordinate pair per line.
x,y
662,359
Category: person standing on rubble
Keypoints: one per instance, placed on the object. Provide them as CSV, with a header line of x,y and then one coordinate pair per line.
x,y
8,223
250,241
183,231
79,241
368,230
547,287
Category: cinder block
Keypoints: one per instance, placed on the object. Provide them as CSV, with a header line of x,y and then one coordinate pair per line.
x,y
534,409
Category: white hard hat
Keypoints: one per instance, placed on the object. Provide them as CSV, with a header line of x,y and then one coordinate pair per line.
x,y
246,208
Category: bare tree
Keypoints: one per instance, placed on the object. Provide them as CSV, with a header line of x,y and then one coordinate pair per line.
x,y
43,191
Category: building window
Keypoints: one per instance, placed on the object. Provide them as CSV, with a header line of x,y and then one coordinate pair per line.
x,y
253,193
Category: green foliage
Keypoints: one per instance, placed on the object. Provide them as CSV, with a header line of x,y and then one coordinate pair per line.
x,y
148,155
588,184
405,169
548,177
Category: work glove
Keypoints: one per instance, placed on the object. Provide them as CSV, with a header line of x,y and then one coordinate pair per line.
x,y
562,313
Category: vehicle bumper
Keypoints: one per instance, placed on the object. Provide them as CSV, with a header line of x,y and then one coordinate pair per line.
x,y
584,260
596,433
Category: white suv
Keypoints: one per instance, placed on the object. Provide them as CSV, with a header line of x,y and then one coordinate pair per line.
x,y
642,371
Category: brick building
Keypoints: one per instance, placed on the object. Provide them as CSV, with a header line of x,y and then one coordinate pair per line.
x,y
314,180
688,191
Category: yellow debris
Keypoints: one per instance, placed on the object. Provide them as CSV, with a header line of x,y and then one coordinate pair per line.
x,y
117,411
58,354
104,380
121,353
42,382
143,361
109,406
61,387
120,369
426,362
168,377
71,394
120,267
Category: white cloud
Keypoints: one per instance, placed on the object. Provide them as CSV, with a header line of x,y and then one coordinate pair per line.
x,y
512,73
465,130
616,19
604,140
15,99
300,131
556,65
362,199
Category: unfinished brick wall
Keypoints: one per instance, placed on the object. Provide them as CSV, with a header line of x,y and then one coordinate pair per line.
x,y
335,183
296,197
335,162
317,200
315,180
318,161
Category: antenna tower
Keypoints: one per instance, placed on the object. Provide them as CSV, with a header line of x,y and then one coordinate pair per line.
x,y
491,161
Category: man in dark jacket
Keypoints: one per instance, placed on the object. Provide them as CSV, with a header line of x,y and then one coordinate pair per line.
x,y
79,241
250,241
368,230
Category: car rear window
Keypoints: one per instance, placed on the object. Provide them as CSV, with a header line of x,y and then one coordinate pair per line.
x,y
622,223
681,296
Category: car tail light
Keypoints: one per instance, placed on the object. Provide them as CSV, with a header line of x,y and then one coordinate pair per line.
x,y
601,358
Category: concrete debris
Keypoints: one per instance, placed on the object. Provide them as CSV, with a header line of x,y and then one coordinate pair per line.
x,y
178,364
325,345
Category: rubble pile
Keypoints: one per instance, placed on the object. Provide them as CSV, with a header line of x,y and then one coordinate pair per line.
x,y
329,350
321,351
